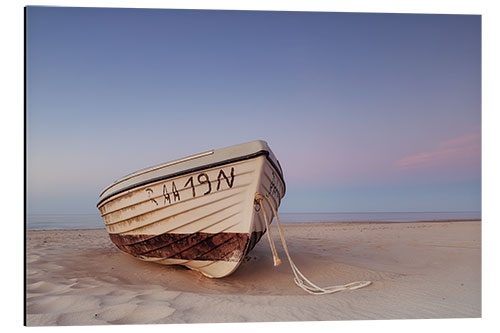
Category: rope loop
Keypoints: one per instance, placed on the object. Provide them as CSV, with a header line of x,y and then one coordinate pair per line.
x,y
299,278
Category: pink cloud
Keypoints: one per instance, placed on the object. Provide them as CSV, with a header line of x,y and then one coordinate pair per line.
x,y
464,147
463,140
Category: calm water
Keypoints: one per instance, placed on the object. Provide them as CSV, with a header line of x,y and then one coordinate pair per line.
x,y
91,221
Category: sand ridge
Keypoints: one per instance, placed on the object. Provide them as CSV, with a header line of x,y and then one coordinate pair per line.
x,y
419,270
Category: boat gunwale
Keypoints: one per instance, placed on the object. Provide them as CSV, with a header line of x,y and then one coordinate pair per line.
x,y
198,168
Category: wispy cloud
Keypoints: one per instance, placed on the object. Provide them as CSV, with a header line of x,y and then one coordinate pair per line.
x,y
454,149
473,139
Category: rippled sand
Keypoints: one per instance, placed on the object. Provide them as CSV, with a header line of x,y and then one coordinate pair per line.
x,y
419,270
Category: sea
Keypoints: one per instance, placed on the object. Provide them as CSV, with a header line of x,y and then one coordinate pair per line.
x,y
94,221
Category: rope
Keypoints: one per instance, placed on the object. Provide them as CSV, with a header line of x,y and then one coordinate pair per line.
x,y
299,278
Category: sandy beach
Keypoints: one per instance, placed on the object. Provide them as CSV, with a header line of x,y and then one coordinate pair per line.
x,y
418,270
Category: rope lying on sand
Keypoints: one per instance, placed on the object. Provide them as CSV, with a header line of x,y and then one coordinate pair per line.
x,y
300,279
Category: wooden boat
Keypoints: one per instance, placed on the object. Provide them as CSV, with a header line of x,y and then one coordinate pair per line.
x,y
199,211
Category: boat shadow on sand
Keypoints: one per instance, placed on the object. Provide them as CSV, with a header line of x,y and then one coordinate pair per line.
x,y
256,275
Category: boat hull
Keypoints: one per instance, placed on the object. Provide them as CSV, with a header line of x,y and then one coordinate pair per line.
x,y
206,220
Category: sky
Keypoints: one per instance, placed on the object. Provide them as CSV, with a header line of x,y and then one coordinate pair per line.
x,y
366,112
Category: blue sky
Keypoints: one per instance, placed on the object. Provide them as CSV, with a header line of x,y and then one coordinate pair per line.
x,y
366,112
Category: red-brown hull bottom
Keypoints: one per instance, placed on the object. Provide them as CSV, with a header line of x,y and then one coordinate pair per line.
x,y
196,246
